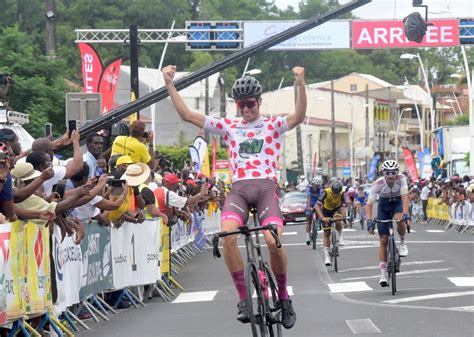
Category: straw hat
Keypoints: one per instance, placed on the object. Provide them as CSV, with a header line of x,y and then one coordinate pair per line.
x,y
24,172
136,174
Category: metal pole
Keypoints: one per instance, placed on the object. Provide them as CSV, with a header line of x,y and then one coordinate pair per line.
x,y
134,86
366,128
427,85
333,131
470,89
50,29
351,135
299,145
206,105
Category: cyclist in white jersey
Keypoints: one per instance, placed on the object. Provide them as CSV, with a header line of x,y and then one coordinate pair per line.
x,y
393,203
254,143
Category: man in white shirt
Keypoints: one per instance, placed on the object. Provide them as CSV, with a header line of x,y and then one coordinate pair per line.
x,y
302,184
425,194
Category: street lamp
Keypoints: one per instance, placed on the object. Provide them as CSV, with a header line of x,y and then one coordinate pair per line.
x,y
309,156
417,56
253,72
398,128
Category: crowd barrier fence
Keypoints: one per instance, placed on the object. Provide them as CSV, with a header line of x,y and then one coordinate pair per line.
x,y
457,216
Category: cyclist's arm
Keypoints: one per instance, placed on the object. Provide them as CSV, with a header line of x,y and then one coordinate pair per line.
x,y
404,195
184,112
319,205
370,202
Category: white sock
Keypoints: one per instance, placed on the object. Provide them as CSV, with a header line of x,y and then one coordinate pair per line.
x,y
326,251
402,240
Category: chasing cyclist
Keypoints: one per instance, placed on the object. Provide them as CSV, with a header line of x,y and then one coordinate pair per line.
x,y
313,192
360,202
393,203
331,203
254,143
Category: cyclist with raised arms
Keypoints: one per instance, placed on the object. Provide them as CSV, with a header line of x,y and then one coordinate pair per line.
x,y
393,203
254,144
331,203
313,192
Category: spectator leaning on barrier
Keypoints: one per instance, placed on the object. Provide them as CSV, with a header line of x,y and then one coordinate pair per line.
x,y
94,144
6,183
134,146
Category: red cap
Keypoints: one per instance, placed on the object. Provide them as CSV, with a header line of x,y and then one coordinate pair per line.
x,y
201,175
171,178
191,182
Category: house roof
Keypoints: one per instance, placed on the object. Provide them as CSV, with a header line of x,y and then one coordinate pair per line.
x,y
373,79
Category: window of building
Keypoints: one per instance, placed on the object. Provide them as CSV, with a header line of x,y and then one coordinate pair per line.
x,y
353,87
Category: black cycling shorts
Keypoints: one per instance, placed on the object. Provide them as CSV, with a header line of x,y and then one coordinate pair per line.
x,y
261,193
329,214
386,211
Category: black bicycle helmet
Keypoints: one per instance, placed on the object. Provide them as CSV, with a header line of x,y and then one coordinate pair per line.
x,y
246,87
336,187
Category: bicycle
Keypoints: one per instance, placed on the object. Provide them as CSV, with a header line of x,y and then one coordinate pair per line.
x,y
393,258
333,242
313,234
362,216
264,313
351,214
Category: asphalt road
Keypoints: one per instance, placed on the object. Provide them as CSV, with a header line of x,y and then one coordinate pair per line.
x,y
435,292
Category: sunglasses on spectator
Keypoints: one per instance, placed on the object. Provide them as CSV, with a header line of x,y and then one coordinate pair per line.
x,y
390,173
249,104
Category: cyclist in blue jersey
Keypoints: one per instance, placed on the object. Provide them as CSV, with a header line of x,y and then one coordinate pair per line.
x,y
313,192
360,201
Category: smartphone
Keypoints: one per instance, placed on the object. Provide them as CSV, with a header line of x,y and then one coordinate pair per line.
x,y
71,125
48,129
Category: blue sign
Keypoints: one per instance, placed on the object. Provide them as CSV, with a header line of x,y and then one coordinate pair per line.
x,y
346,171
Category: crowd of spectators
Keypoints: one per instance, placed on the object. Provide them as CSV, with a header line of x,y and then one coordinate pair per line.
x,y
109,186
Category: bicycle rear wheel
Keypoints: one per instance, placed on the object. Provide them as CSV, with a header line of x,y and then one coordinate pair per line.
x,y
274,321
314,230
392,267
255,306
334,249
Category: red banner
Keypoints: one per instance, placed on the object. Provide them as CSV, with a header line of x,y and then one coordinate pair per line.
x,y
214,155
410,164
91,68
108,84
315,164
390,34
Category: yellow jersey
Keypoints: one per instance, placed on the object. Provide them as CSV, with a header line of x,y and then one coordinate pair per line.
x,y
130,146
330,201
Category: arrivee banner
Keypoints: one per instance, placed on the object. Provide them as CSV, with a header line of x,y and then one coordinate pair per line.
x,y
389,34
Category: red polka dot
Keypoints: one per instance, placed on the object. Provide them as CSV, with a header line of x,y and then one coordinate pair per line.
x,y
273,119
279,124
274,164
227,121
278,145
269,152
268,139
276,135
234,154
270,127
219,126
256,162
233,126
268,171
278,157
250,134
232,143
241,172
256,174
267,161
226,138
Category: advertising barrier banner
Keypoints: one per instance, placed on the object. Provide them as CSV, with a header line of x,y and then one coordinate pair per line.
x,y
37,295
165,249
437,209
135,253
68,268
96,260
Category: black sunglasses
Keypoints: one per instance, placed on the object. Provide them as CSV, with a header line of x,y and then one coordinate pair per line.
x,y
390,173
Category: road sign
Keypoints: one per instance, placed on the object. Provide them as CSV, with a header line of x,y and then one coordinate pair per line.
x,y
83,106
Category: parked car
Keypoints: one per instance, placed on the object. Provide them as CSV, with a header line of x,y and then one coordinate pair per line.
x,y
293,207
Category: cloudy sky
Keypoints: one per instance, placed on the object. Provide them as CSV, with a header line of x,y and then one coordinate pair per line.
x,y
391,9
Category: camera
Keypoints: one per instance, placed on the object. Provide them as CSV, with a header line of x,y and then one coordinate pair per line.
x,y
6,79
145,134
164,161
60,188
112,181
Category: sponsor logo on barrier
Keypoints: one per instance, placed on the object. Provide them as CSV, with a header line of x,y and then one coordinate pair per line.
x,y
5,245
65,255
39,249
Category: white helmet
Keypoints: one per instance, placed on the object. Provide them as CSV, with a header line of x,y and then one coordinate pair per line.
x,y
316,180
351,190
390,165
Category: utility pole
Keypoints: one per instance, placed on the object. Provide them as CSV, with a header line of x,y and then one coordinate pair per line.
x,y
50,29
367,128
134,86
299,145
206,105
333,131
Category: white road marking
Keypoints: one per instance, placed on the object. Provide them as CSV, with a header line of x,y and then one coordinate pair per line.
x,y
430,297
349,230
377,267
198,296
435,231
362,326
288,288
467,309
462,281
348,287
403,273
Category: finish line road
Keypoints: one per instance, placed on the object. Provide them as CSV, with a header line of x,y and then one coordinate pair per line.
x,y
435,292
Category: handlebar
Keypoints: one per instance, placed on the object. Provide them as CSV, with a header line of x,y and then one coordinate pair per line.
x,y
245,231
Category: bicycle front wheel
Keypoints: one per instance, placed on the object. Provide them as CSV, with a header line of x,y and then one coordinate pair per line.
x,y
393,266
255,305
273,311
314,234
334,249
